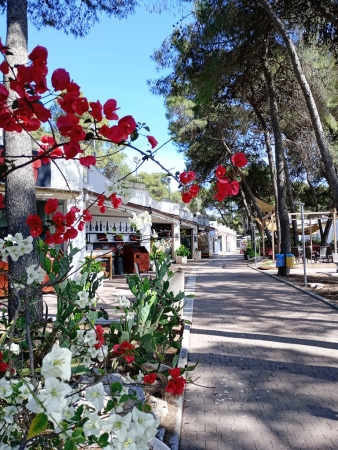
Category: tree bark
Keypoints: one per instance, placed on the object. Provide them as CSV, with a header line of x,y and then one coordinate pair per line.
x,y
20,185
291,204
284,241
310,102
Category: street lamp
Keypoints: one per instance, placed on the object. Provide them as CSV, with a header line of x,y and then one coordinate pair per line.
x,y
303,238
137,162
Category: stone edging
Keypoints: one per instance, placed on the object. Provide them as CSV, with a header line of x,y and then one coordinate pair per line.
x,y
183,360
311,294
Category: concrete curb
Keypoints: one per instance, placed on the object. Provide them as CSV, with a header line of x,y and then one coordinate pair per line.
x,y
183,360
311,294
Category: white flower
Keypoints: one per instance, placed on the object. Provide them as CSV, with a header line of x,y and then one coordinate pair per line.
x,y
102,352
56,391
93,426
37,403
10,412
95,395
87,361
154,235
36,274
118,425
25,392
14,348
5,388
57,363
128,442
130,315
145,424
123,301
82,300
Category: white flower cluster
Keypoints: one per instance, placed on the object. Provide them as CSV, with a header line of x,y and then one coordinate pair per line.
x,y
59,402
138,221
36,274
15,246
86,341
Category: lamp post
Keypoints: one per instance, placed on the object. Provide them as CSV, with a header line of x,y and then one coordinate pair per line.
x,y
137,162
303,238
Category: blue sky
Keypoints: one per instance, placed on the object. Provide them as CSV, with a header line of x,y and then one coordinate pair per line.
x,y
113,61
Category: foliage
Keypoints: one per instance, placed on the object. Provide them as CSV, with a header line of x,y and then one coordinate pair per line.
x,y
182,251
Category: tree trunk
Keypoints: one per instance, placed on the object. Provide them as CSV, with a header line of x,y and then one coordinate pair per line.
x,y
295,237
269,152
310,102
20,185
279,152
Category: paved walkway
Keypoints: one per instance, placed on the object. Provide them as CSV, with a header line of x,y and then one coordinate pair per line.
x,y
270,354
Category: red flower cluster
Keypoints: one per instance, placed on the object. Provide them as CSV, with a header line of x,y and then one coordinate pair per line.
x,y
64,224
27,112
191,191
99,336
150,378
3,365
125,349
176,385
224,185
115,201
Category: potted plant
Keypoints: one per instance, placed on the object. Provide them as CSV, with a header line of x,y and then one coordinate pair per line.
x,y
118,237
198,253
182,254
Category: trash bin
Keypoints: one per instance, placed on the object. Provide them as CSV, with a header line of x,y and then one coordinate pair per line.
x,y
290,260
280,260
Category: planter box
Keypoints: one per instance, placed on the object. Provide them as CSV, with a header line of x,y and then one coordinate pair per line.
x,y
181,259
198,255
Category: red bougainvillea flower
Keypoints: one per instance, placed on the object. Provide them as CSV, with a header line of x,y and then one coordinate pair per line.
x,y
71,233
35,224
186,177
239,160
193,190
51,206
39,53
125,349
81,225
87,161
115,201
127,125
220,172
176,386
234,187
3,366
99,336
100,200
109,109
96,111
3,93
86,215
175,373
186,197
103,209
150,378
4,67
60,79
152,141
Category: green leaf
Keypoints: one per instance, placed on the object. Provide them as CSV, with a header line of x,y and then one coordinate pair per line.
x,y
38,425
77,433
103,441
110,405
147,128
115,387
70,445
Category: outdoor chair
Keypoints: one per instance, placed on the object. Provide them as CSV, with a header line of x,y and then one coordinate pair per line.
x,y
329,253
296,253
309,254
322,253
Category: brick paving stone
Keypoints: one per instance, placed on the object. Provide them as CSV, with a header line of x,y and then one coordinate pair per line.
x,y
271,354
